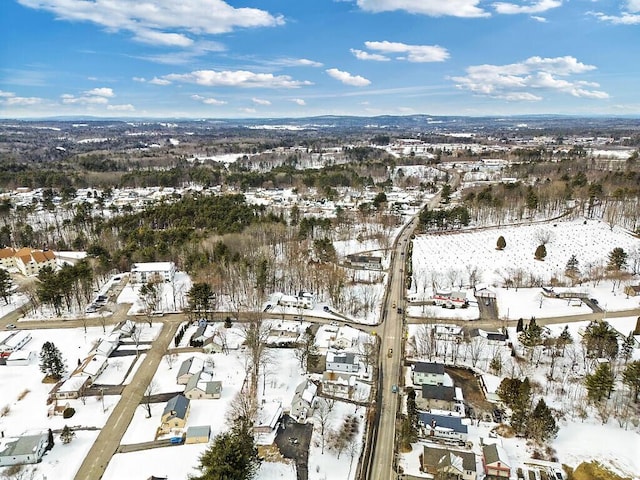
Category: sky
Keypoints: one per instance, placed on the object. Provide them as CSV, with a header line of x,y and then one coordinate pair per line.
x,y
297,58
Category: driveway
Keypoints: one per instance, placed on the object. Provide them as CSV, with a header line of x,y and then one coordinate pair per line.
x,y
293,441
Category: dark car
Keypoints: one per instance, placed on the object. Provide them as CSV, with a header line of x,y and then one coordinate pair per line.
x,y
594,301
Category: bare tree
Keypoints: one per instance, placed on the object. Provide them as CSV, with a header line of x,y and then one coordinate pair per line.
x,y
322,414
242,407
171,359
476,347
151,390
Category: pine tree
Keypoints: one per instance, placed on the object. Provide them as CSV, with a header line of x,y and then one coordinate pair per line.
x,y
628,344
520,325
571,270
601,340
67,435
51,363
232,455
631,378
541,252
541,425
5,285
501,244
600,383
617,259
565,338
531,336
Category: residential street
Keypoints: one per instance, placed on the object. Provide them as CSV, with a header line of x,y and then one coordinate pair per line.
x,y
111,434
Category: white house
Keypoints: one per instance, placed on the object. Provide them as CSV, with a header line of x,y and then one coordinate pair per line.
x,y
21,358
190,367
342,362
428,373
303,401
27,261
153,272
442,427
23,450
14,342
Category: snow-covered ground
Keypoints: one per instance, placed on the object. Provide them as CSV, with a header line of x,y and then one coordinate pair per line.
x,y
447,259
173,297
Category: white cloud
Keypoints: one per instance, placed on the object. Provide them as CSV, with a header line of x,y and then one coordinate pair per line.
x,y
10,99
235,78
208,100
538,6
100,92
517,80
362,55
139,79
299,101
296,62
433,8
121,108
624,18
539,19
159,81
259,101
347,78
154,37
414,53
248,110
156,22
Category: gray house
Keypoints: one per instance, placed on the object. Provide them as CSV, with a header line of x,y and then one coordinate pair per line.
x,y
342,362
443,427
202,385
437,397
23,450
175,414
189,368
428,373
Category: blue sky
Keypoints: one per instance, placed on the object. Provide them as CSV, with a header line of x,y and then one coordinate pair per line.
x,y
274,58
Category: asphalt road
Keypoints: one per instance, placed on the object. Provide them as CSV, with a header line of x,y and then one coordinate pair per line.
x,y
108,440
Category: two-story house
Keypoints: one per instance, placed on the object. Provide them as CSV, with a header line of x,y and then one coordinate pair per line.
x,y
428,373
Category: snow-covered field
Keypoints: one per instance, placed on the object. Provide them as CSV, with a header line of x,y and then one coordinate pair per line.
x,y
173,297
446,259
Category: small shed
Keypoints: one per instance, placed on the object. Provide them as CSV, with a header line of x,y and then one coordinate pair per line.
x,y
198,434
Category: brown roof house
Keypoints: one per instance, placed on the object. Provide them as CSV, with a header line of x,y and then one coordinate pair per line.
x,y
495,462
448,464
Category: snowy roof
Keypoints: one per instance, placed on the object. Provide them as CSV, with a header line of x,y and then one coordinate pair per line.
x,y
442,422
23,445
444,457
342,357
205,382
438,392
269,414
191,365
495,453
152,267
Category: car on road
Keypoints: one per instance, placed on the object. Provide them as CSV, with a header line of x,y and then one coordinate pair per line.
x,y
390,353
594,301
399,310
394,388
326,308
10,326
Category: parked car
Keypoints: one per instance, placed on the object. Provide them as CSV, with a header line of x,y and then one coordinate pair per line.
x,y
594,301
11,326
326,308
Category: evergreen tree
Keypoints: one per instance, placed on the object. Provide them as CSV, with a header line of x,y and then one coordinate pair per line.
x,y
565,338
617,259
232,455
412,409
5,285
541,425
631,378
600,340
541,252
516,394
67,435
201,299
501,243
531,336
628,344
51,363
571,270
520,325
600,383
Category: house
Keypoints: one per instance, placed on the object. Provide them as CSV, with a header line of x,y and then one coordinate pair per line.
x,y
21,358
301,300
198,434
303,401
175,414
346,362
442,427
365,261
28,261
337,383
125,328
450,299
72,387
93,366
23,450
154,272
107,345
267,422
437,397
429,373
494,336
188,369
14,342
495,461
202,385
450,464
632,290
